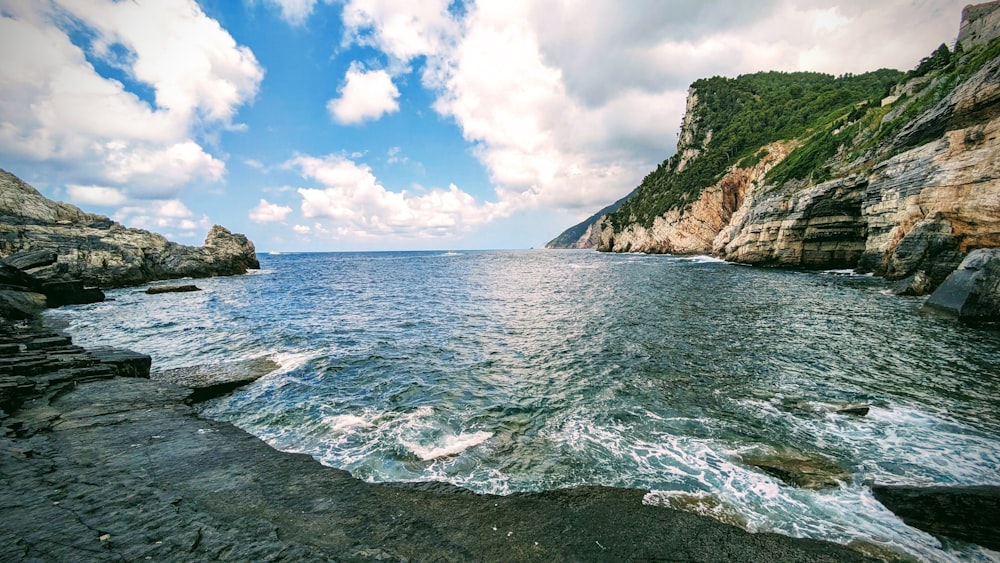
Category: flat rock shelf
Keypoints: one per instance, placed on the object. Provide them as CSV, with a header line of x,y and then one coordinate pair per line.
x,y
112,467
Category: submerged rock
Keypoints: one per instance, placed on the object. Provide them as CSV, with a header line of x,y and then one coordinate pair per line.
x,y
972,292
969,514
171,289
799,469
855,410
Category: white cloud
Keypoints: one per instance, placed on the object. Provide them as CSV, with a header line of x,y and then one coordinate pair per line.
x,y
57,111
253,163
267,212
302,229
365,95
359,205
402,29
161,214
95,195
569,104
295,12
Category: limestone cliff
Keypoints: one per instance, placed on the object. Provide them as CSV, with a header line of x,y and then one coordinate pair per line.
x,y
899,178
56,241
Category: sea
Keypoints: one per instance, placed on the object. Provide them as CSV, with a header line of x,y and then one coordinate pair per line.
x,y
510,371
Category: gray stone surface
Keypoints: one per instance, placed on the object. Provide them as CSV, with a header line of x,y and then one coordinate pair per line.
x,y
213,380
972,292
969,514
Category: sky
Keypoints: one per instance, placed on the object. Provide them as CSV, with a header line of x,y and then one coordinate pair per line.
x,y
344,125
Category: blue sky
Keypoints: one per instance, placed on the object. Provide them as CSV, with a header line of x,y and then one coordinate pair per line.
x,y
391,124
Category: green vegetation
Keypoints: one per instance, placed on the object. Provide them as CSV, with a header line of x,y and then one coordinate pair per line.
x,y
867,128
829,115
743,114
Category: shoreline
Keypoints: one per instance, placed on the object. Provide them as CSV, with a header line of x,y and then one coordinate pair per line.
x,y
122,468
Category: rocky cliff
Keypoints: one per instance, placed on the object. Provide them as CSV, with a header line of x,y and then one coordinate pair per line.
x,y
902,183
58,242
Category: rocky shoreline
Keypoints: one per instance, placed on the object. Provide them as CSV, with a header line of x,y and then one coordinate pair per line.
x,y
98,462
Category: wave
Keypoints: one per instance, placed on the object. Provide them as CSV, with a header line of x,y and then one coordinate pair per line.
x,y
451,445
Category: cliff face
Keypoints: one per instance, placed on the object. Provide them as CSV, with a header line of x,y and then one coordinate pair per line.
x,y
56,241
901,184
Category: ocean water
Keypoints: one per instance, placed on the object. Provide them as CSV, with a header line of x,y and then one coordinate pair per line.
x,y
531,370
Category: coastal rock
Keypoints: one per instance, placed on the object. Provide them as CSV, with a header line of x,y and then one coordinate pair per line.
x,y
210,381
917,284
799,469
907,194
171,289
61,293
97,251
123,362
969,514
18,305
31,259
972,292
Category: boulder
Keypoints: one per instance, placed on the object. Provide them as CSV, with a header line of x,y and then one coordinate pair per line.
x,y
124,363
70,293
18,305
917,284
969,514
210,381
799,469
972,292
171,289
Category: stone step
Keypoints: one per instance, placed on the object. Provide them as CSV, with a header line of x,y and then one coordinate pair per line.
x,y
47,343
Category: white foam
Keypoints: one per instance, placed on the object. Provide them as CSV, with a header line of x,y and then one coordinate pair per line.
x,y
450,446
705,259
344,422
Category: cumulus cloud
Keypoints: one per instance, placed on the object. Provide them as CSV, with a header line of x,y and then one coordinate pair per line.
x,y
358,205
569,104
295,12
365,95
162,214
95,195
267,212
58,111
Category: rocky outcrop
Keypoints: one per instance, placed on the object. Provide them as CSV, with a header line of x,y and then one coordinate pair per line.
x,y
693,230
969,514
210,381
972,292
157,289
980,24
97,251
905,191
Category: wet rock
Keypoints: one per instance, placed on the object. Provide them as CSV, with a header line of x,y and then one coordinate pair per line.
x,y
969,514
799,469
124,363
70,293
915,285
171,289
972,292
20,305
855,410
210,381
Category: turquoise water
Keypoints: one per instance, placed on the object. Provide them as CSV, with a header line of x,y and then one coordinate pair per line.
x,y
521,371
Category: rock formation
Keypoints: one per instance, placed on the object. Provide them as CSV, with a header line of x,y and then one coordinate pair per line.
x,y
969,514
97,251
972,292
903,186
